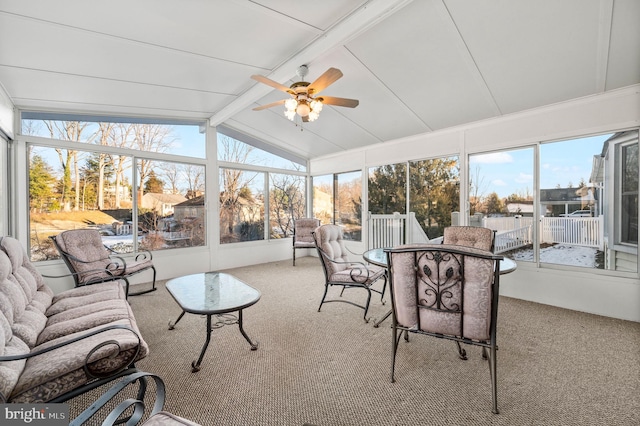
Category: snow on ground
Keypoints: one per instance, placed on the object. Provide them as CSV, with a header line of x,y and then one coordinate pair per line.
x,y
562,254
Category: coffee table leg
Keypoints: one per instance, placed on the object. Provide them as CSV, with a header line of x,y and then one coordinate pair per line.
x,y
254,346
172,324
195,365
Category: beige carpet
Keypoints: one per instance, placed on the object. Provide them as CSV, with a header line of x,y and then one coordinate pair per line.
x,y
555,367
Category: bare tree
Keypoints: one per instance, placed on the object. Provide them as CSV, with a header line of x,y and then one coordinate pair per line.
x,y
194,176
286,201
70,131
150,138
231,180
477,188
104,133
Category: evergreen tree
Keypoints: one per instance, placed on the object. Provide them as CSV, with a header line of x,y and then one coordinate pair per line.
x,y
494,204
41,180
387,189
153,184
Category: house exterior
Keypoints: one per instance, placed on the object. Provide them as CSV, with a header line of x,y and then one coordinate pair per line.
x,y
619,186
162,204
557,201
190,209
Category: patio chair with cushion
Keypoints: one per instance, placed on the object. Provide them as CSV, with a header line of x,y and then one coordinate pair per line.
x,y
302,234
339,271
91,262
448,292
469,236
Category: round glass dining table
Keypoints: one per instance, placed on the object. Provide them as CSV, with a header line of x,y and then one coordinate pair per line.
x,y
378,257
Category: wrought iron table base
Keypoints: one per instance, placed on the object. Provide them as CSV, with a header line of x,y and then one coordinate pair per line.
x,y
221,320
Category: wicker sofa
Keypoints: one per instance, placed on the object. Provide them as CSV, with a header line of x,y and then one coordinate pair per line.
x,y
55,347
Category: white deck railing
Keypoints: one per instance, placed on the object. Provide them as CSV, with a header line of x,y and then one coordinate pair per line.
x,y
578,231
390,230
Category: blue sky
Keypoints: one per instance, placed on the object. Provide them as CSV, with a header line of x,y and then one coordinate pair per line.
x,y
562,163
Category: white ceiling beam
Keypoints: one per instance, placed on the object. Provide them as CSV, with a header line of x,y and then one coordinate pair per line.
x,y
605,20
362,19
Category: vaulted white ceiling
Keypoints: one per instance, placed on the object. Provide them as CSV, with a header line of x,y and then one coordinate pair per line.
x,y
415,66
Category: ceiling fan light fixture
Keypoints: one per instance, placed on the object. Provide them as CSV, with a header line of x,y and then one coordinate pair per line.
x,y
303,101
316,106
291,104
303,109
313,115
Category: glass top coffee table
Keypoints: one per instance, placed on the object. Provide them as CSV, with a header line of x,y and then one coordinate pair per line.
x,y
213,294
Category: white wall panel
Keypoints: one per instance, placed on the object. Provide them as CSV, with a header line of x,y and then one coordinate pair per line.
x,y
6,114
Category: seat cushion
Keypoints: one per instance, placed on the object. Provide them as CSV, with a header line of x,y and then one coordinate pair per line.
x,y
303,229
51,374
164,418
24,299
358,274
329,239
304,244
469,236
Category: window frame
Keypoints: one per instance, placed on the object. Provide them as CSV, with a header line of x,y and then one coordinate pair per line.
x,y
28,140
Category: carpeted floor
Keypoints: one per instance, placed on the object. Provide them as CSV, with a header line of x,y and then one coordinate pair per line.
x,y
555,367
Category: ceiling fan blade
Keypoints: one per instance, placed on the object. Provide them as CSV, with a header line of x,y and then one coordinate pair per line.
x,y
274,84
272,104
343,102
329,77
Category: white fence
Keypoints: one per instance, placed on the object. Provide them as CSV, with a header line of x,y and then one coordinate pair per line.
x,y
579,231
390,230
518,232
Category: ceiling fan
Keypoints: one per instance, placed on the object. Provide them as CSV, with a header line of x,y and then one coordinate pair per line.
x,y
304,95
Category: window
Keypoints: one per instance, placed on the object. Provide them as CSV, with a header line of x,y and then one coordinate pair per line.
x,y
337,199
567,187
629,194
348,203
501,197
434,193
107,186
171,204
587,201
323,198
387,189
241,205
177,137
286,203
247,173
